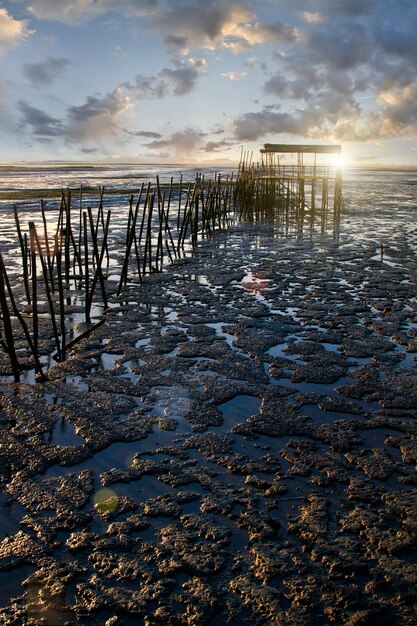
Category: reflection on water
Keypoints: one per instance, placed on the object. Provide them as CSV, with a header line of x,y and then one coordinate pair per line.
x,y
63,434
239,409
114,177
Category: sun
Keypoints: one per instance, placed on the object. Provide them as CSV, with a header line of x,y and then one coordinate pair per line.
x,y
339,161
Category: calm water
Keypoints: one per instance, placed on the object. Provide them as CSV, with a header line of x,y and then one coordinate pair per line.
x,y
115,177
383,195
362,188
380,190
128,179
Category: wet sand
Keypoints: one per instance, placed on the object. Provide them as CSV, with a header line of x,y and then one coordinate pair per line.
x,y
235,445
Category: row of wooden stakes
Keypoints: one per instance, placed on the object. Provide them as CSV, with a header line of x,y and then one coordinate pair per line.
x,y
163,222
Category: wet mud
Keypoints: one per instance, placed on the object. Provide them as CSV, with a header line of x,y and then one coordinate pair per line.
x,y
236,446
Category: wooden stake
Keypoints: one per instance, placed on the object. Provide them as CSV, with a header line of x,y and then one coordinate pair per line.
x,y
48,252
58,254
130,239
23,253
35,238
8,345
98,276
38,366
87,302
34,286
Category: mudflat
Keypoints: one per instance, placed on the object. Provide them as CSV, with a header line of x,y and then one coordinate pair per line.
x,y
235,445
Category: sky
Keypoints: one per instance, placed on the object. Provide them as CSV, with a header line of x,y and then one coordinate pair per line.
x,y
192,81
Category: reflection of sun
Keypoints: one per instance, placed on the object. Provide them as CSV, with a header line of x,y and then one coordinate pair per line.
x,y
255,282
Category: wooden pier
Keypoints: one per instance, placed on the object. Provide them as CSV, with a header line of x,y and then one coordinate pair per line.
x,y
302,179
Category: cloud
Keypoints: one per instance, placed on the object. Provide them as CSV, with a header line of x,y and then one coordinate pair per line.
x,y
246,36
5,85
342,69
217,146
213,25
315,17
353,79
168,82
12,31
117,51
333,115
235,75
280,86
184,24
252,126
143,133
201,25
399,110
177,43
209,18
398,42
38,122
253,62
43,73
98,117
182,143
342,48
73,11
354,7
198,63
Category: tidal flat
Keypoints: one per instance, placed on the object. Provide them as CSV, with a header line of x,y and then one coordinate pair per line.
x,y
235,445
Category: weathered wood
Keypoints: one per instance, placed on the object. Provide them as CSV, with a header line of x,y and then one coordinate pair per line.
x,y
35,238
8,331
23,253
299,148
38,367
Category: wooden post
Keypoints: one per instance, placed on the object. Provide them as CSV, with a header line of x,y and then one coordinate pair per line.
x,y
130,239
48,251
68,238
38,366
58,253
23,253
8,331
87,302
35,238
98,257
148,240
35,322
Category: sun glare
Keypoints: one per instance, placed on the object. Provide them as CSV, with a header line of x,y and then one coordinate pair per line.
x,y
339,161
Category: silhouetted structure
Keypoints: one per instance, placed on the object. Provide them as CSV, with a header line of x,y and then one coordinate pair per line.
x,y
292,177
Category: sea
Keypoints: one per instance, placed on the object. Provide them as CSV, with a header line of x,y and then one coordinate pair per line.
x,y
369,188
31,177
382,194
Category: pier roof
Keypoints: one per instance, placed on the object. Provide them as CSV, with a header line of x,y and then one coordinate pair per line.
x,y
310,148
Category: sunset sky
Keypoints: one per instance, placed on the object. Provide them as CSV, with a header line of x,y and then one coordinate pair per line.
x,y
194,80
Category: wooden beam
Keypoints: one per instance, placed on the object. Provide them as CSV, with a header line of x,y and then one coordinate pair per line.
x,y
299,148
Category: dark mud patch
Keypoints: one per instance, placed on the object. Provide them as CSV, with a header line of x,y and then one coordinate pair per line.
x,y
237,445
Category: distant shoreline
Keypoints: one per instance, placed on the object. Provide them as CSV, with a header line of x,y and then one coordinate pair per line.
x,y
82,166
67,165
